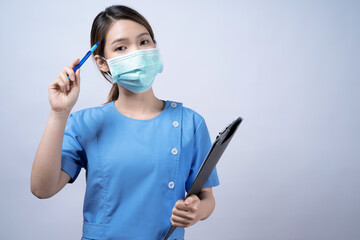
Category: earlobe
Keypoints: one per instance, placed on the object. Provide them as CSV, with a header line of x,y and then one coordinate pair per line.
x,y
101,63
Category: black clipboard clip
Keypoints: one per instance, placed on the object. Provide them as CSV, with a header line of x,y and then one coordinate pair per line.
x,y
217,149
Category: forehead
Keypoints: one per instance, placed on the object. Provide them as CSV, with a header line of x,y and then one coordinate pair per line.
x,y
124,29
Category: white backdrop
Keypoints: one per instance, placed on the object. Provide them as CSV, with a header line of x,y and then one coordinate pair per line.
x,y
289,68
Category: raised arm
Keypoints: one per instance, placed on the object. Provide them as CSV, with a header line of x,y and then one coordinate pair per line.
x,y
47,178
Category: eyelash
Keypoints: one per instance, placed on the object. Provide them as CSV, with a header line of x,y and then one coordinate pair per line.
x,y
144,41
119,48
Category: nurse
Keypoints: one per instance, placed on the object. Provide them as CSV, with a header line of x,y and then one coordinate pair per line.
x,y
141,153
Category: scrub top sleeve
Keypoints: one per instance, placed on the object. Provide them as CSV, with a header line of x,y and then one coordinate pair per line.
x,y
73,156
202,145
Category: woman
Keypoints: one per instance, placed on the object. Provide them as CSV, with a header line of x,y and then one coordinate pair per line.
x,y
140,153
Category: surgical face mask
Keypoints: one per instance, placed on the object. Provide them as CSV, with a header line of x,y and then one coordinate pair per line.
x,y
136,71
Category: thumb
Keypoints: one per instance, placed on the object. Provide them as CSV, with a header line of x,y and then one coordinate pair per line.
x,y
188,200
77,77
73,64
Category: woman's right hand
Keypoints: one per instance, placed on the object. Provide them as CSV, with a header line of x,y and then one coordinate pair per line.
x,y
63,93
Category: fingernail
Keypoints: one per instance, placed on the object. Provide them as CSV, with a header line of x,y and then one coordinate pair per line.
x,y
67,87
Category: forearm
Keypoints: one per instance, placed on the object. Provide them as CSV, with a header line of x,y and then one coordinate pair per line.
x,y
46,168
207,204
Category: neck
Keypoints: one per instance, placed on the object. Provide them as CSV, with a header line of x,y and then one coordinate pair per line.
x,y
138,103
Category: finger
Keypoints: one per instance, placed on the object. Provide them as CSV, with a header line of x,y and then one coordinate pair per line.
x,y
62,85
73,64
63,77
182,214
58,84
180,201
193,198
187,208
179,220
183,207
54,85
70,72
192,206
180,205
176,224
189,200
77,78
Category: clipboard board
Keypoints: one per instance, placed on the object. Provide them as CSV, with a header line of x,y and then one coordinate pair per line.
x,y
217,149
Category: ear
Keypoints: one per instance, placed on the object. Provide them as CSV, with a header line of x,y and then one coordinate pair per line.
x,y
102,64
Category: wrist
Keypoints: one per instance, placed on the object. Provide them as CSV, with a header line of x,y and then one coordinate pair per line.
x,y
203,213
207,205
59,115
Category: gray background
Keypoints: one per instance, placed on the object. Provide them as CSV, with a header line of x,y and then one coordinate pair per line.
x,y
289,68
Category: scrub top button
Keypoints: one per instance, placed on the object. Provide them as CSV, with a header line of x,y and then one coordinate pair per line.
x,y
173,104
171,184
175,124
174,151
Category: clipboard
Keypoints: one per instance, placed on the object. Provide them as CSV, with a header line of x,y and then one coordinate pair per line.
x,y
221,142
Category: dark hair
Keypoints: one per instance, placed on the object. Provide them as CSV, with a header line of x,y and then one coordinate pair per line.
x,y
100,27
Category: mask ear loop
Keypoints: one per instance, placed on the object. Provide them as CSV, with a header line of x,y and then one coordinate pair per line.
x,y
108,75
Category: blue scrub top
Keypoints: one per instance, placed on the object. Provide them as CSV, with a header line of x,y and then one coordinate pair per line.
x,y
136,170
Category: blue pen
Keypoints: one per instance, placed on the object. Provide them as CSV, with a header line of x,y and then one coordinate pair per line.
x,y
85,57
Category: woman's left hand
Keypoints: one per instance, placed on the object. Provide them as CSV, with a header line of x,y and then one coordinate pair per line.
x,y
186,213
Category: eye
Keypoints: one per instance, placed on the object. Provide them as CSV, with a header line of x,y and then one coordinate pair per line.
x,y
144,42
121,48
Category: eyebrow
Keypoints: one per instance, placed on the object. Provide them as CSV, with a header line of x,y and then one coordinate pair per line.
x,y
125,39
